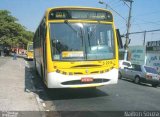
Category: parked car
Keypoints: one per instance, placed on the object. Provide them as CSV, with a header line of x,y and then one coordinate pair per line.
x,y
124,63
141,73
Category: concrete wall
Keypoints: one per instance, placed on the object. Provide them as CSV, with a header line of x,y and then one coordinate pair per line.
x,y
153,59
137,54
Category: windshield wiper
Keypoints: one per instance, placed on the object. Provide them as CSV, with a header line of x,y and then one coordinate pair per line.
x,y
66,22
90,34
80,33
75,30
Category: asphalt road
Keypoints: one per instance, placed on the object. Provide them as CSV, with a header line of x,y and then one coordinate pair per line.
x,y
22,89
124,96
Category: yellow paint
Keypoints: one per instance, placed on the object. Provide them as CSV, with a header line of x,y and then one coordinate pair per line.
x,y
29,53
66,66
99,65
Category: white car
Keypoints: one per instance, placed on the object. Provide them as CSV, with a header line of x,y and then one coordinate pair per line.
x,y
141,73
124,63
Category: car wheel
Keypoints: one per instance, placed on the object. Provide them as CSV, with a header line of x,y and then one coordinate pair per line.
x,y
154,85
137,80
119,75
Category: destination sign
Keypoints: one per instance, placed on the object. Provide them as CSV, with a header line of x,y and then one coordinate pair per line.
x,y
153,46
80,14
153,43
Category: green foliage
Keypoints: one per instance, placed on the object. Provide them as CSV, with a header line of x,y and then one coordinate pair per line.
x,y
11,32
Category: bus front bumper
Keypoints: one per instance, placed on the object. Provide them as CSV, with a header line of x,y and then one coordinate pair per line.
x,y
57,80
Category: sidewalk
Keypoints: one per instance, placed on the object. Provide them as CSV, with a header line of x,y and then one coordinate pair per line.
x,y
12,87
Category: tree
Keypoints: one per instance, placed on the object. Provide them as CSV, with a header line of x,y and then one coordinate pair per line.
x,y
11,32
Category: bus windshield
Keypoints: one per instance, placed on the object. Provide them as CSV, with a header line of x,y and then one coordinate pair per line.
x,y
30,47
82,41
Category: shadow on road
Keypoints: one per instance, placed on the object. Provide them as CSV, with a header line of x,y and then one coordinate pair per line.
x,y
26,59
142,84
33,83
29,79
61,94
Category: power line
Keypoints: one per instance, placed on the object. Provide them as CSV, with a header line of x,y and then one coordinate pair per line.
x,y
144,31
117,12
125,3
107,5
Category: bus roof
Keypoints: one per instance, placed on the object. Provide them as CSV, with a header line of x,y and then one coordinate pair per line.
x,y
77,7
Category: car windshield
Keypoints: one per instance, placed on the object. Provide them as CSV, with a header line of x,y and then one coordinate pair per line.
x,y
150,70
82,41
126,64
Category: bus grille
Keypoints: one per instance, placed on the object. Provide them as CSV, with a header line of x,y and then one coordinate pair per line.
x,y
76,82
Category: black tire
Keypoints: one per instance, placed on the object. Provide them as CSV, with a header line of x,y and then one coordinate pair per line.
x,y
155,85
137,80
119,75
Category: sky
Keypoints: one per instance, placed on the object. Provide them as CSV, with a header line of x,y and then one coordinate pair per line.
x,y
145,14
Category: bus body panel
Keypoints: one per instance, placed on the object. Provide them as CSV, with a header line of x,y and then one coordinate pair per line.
x,y
49,68
55,80
29,55
30,50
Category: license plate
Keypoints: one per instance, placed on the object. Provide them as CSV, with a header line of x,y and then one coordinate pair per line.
x,y
87,79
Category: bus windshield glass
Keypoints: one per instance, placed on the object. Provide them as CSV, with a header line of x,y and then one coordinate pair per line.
x,y
82,41
30,47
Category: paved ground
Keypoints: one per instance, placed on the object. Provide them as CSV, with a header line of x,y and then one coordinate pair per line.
x,y
21,89
13,82
124,96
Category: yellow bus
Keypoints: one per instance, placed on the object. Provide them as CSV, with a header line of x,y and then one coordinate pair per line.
x,y
76,47
29,52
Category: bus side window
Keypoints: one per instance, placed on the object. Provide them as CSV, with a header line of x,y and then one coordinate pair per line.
x,y
119,39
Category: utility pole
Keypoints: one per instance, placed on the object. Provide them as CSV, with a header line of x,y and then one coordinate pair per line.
x,y
144,40
144,32
128,28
